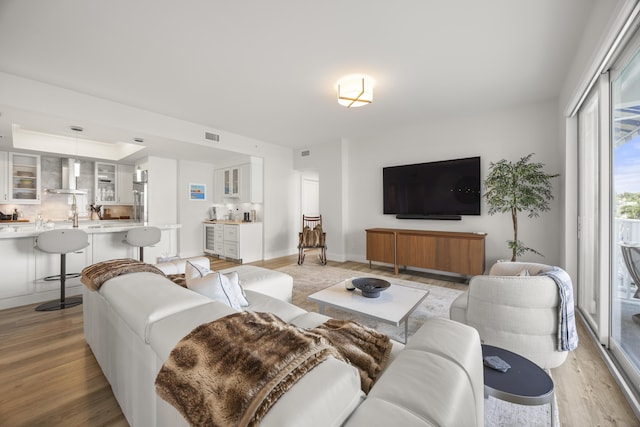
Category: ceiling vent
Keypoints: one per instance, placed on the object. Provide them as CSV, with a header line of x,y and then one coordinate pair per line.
x,y
305,153
212,136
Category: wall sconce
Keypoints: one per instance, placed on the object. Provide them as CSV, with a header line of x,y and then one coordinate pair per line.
x,y
355,91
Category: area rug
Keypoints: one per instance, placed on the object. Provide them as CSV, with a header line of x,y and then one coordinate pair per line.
x,y
311,278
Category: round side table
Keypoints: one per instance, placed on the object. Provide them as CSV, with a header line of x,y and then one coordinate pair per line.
x,y
525,383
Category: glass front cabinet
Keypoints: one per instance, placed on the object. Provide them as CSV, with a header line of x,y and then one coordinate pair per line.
x,y
232,182
24,178
106,178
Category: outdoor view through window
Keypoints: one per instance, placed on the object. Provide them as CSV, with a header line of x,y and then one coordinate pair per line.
x,y
625,212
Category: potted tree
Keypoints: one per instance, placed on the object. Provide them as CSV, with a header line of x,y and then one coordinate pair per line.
x,y
514,187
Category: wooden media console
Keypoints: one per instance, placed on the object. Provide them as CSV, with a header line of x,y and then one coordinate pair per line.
x,y
454,252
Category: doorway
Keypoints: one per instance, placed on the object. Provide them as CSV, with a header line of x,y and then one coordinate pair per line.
x,y
310,195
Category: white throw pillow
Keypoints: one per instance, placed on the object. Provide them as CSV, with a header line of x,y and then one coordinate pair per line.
x,y
210,287
220,287
524,272
193,270
231,281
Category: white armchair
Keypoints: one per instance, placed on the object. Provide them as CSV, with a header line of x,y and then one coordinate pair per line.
x,y
515,309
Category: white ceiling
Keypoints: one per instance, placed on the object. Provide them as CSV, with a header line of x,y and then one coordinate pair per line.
x,y
268,69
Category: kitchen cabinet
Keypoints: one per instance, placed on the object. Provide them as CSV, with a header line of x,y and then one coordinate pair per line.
x,y
241,242
17,269
124,185
24,178
251,181
214,239
4,174
113,184
242,182
231,182
227,183
105,183
107,246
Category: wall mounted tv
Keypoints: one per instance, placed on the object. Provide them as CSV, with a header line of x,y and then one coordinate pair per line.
x,y
437,190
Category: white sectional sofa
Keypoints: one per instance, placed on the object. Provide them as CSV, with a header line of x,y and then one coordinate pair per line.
x,y
134,321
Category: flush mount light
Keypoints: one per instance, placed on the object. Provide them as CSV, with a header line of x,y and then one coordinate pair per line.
x,y
355,91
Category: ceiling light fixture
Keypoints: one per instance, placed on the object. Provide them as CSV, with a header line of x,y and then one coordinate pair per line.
x,y
355,91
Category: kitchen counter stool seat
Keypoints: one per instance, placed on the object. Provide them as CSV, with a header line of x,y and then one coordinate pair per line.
x,y
61,241
143,236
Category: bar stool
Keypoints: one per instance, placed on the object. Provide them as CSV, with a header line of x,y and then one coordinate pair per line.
x,y
61,241
141,237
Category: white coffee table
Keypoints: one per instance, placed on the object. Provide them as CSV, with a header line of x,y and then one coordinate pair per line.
x,y
393,306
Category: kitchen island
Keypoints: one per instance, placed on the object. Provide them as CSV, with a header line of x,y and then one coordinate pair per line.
x,y
23,266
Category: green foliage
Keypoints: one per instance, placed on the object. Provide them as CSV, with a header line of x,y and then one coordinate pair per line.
x,y
522,186
628,205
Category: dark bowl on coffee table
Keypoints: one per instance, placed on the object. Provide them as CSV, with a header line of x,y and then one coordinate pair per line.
x,y
370,286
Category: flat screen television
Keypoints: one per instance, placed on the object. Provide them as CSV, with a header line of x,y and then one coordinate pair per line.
x,y
436,190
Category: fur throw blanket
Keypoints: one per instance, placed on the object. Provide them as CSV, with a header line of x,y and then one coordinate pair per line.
x,y
232,371
96,274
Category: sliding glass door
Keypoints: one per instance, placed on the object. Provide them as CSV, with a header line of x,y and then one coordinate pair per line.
x,y
589,292
625,212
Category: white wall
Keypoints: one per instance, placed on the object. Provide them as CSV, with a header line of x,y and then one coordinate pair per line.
x,y
163,175
281,204
191,213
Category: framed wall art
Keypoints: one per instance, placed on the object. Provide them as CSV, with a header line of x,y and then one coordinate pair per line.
x,y
197,192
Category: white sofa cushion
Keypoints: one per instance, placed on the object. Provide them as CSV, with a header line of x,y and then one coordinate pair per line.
x,y
264,303
448,390
269,282
324,397
143,298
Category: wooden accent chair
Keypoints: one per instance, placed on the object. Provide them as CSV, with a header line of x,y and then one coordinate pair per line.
x,y
312,236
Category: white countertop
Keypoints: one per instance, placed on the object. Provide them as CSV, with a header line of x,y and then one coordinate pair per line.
x,y
29,229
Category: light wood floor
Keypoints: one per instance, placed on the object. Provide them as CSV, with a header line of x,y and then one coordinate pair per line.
x,y
49,377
